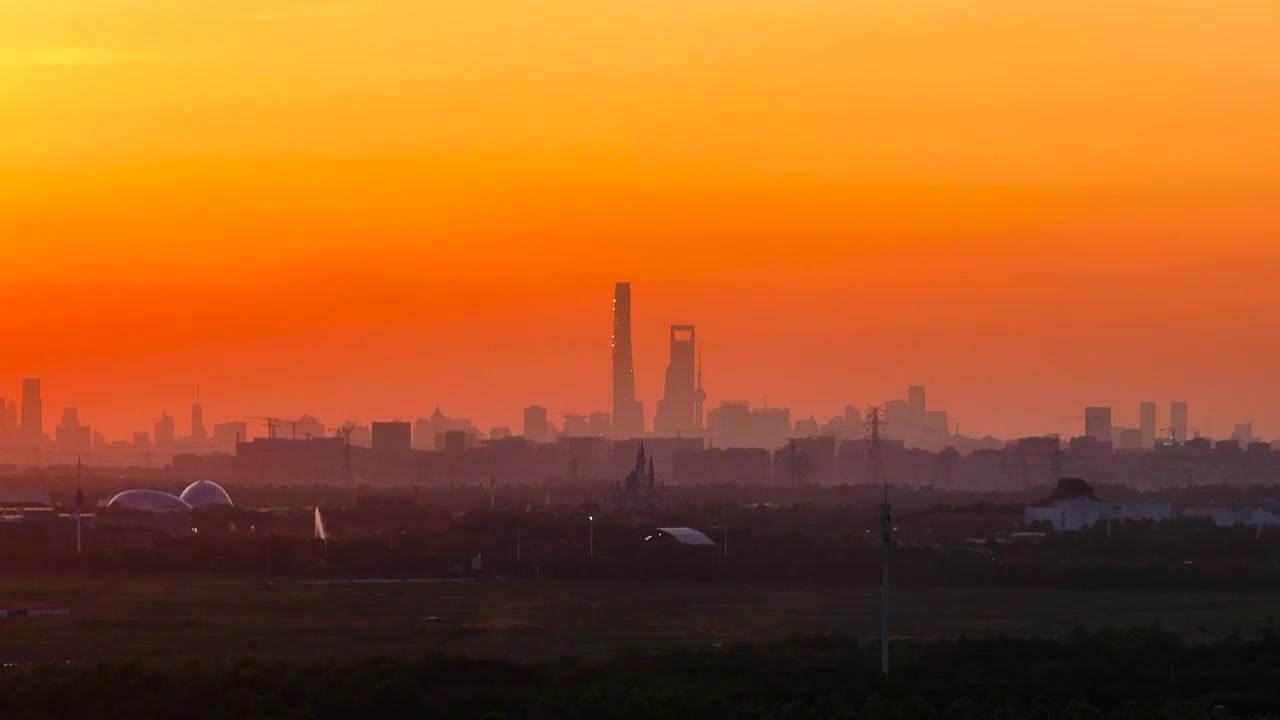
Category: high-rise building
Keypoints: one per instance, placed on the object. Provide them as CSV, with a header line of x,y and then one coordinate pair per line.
x,y
628,413
199,434
165,432
11,415
1128,439
32,411
1243,434
897,413
677,410
1097,424
535,424
427,429
226,435
1178,420
4,418
71,438
1147,423
598,423
736,424
915,401
455,442
394,436
576,425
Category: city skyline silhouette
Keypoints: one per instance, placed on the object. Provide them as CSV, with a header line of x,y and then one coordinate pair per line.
x,y
372,232
676,393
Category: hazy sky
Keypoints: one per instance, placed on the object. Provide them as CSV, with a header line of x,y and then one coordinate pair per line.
x,y
362,209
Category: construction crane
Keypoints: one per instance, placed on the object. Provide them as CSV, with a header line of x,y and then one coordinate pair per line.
x,y
273,424
1171,433
344,432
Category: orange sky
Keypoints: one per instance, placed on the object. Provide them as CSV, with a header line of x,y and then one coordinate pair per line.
x,y
364,208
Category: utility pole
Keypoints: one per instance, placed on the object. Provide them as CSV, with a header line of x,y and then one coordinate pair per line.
x,y
724,529
79,503
875,463
1026,486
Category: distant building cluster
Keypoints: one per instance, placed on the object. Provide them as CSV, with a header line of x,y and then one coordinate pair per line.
x,y
1073,506
687,443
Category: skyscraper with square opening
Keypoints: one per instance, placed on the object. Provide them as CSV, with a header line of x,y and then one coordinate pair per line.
x,y
678,408
628,413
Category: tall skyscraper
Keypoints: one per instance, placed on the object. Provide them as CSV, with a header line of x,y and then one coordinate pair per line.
x,y
32,411
1178,420
198,432
1097,424
628,413
4,418
677,410
1147,423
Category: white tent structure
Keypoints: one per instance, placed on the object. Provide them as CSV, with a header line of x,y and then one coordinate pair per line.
x,y
681,535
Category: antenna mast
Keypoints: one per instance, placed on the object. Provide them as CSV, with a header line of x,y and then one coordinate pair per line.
x,y
875,468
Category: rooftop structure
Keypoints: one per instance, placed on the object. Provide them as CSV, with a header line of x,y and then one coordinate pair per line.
x,y
149,501
204,493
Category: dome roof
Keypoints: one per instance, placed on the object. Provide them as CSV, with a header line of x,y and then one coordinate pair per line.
x,y
152,501
683,535
204,493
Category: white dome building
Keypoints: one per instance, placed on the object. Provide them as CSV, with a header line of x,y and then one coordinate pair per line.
x,y
204,493
149,501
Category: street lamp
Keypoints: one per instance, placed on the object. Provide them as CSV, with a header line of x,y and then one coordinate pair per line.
x,y
591,529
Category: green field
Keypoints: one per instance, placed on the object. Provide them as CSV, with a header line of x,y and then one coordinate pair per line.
x,y
183,617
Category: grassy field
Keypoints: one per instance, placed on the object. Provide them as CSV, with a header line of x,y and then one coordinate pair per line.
x,y
183,617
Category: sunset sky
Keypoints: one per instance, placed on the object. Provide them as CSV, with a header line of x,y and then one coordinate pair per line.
x,y
364,208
